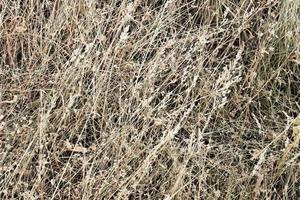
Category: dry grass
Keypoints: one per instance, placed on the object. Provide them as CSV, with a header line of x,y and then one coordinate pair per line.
x,y
160,99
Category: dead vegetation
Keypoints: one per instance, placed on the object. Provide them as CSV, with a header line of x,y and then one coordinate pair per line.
x,y
162,99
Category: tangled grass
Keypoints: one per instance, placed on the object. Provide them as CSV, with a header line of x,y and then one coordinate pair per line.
x,y
160,99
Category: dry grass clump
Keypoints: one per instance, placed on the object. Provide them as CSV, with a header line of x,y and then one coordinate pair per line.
x,y
162,99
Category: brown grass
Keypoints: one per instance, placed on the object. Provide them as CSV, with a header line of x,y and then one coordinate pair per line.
x,y
161,99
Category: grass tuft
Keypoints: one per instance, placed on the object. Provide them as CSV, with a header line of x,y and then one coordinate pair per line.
x,y
163,99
